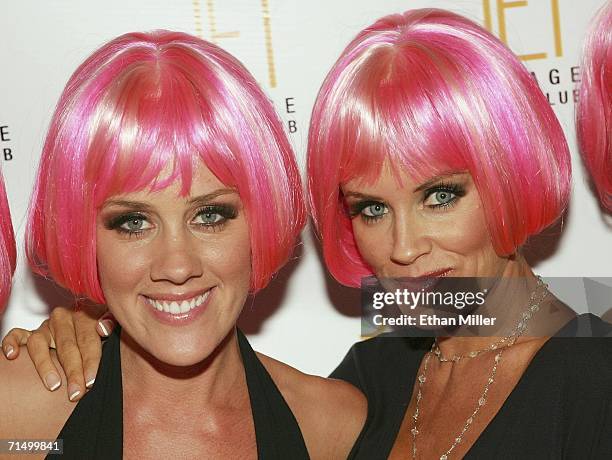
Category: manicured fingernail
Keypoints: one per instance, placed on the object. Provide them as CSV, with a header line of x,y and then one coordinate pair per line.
x,y
104,330
90,382
73,391
8,351
53,381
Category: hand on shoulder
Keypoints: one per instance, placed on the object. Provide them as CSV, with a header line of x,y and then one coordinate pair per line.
x,y
28,409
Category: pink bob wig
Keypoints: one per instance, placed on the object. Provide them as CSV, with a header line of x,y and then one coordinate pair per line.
x,y
8,253
594,114
430,92
140,103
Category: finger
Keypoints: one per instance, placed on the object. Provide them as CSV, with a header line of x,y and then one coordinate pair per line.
x,y
105,320
12,342
90,346
38,348
62,328
106,325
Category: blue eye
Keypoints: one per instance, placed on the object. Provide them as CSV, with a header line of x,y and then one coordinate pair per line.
x,y
209,218
370,211
132,224
441,198
374,210
443,195
214,216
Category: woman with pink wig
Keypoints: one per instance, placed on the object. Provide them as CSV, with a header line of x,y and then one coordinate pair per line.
x,y
594,114
8,254
433,154
158,195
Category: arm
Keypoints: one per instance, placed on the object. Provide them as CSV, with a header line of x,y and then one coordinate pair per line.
x,y
76,336
28,410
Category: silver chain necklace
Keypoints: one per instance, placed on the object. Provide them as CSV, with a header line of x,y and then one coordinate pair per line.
x,y
500,345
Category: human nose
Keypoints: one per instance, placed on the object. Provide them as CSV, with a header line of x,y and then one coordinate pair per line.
x,y
410,241
177,259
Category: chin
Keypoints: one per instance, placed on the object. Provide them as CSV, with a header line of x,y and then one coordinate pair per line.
x,y
182,346
184,351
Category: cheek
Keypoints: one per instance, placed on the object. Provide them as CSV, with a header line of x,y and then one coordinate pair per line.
x,y
228,257
469,242
468,233
373,242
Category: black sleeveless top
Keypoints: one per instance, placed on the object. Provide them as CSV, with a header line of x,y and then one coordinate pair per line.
x,y
94,430
561,407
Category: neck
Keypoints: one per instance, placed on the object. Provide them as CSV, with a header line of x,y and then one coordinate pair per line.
x,y
506,302
151,384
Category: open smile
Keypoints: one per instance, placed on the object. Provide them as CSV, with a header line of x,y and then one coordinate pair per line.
x,y
177,306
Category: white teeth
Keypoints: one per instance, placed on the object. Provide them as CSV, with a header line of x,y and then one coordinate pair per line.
x,y
175,307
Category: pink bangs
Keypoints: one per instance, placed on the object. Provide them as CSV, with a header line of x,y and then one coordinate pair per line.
x,y
431,92
139,114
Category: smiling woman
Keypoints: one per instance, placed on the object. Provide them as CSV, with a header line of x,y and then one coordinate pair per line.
x,y
432,153
158,194
189,265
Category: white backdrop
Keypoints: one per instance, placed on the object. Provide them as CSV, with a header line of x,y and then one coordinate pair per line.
x,y
303,318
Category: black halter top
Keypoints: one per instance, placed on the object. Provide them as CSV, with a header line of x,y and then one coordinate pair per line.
x,y
94,430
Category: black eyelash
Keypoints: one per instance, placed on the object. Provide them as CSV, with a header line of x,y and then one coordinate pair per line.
x,y
356,208
115,223
456,189
226,211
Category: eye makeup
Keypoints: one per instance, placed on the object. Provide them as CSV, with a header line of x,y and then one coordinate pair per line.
x,y
128,218
445,194
209,217
436,196
127,223
214,216
369,210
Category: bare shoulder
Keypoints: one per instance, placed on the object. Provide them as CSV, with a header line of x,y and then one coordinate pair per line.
x,y
326,409
28,409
